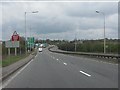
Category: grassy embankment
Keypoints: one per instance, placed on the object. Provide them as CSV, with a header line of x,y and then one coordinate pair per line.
x,y
8,60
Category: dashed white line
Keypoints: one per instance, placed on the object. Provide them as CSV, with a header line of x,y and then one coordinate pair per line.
x,y
16,74
35,56
57,59
85,73
65,63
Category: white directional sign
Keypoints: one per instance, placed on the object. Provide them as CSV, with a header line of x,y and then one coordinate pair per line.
x,y
12,44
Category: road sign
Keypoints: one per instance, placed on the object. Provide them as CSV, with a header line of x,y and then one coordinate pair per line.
x,y
10,44
30,42
15,36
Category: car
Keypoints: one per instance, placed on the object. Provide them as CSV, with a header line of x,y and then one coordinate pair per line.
x,y
40,49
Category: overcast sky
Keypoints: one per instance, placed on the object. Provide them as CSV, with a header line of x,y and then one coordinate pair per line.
x,y
59,20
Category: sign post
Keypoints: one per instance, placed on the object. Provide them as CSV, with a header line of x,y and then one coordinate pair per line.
x,y
15,51
15,37
14,43
9,51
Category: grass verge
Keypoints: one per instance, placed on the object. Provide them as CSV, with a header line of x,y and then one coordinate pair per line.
x,y
12,59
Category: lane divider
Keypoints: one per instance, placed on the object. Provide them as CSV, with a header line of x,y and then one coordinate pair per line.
x,y
85,73
79,71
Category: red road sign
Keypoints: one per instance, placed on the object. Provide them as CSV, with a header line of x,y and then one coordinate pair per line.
x,y
15,36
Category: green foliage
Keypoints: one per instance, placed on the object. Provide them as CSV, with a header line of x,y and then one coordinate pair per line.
x,y
12,59
96,46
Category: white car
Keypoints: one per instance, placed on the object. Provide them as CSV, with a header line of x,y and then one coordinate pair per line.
x,y
40,49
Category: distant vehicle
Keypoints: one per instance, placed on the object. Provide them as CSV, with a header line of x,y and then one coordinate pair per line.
x,y
43,45
40,49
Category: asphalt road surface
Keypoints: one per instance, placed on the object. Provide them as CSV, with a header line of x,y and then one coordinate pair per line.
x,y
53,70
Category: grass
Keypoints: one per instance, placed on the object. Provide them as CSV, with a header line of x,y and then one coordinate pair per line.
x,y
12,59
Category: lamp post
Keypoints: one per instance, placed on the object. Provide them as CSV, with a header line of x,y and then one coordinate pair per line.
x,y
30,41
25,30
104,30
75,43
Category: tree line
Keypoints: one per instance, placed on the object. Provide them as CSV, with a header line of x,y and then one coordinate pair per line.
x,y
94,46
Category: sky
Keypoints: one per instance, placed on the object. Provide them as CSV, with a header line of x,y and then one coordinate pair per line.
x,y
59,20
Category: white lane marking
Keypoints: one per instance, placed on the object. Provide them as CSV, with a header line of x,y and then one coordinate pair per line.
x,y
35,56
6,83
108,63
85,74
1,87
65,63
57,59
104,62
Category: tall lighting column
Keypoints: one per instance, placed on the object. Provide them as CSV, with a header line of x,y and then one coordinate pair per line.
x,y
104,30
26,30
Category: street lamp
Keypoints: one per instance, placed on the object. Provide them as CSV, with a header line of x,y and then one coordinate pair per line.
x,y
25,29
75,43
104,30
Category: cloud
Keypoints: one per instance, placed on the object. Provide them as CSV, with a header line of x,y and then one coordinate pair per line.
x,y
60,19
85,9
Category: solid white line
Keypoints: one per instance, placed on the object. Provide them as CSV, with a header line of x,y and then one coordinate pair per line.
x,y
16,74
1,85
65,63
108,63
85,74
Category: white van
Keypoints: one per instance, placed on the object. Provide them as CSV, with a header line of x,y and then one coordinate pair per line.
x,y
40,49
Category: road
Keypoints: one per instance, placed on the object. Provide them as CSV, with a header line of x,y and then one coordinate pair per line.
x,y
53,70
